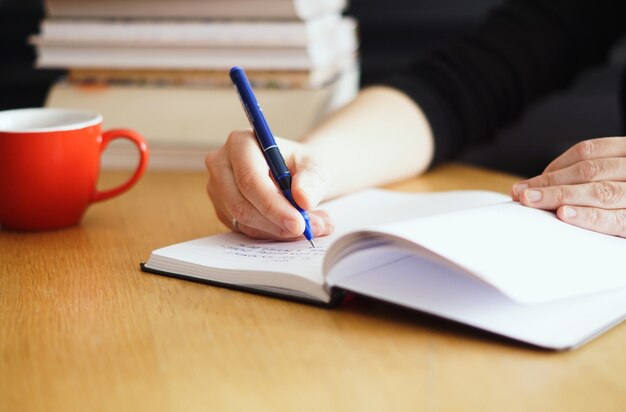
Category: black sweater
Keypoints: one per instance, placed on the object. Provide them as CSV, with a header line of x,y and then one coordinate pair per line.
x,y
522,51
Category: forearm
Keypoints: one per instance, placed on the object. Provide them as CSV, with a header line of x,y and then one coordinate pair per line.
x,y
381,137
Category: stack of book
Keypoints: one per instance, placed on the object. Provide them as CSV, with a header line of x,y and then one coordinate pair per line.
x,y
161,67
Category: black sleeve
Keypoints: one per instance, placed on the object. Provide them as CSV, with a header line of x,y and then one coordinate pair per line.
x,y
523,50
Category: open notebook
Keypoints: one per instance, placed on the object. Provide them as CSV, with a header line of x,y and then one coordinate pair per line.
x,y
469,256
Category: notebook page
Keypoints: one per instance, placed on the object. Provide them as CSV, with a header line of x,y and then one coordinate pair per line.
x,y
378,206
528,254
409,281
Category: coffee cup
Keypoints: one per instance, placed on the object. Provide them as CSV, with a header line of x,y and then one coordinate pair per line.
x,y
50,163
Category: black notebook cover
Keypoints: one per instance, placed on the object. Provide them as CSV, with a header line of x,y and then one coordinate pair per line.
x,y
337,295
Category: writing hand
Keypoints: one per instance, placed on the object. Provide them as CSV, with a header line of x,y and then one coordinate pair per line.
x,y
586,186
241,188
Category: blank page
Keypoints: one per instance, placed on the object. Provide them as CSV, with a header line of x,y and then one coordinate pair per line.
x,y
528,254
412,282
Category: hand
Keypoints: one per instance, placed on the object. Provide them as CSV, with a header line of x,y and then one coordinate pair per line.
x,y
586,186
246,198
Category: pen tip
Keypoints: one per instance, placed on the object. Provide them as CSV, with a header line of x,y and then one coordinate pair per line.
x,y
312,243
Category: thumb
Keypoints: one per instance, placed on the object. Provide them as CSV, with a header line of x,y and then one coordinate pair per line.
x,y
309,185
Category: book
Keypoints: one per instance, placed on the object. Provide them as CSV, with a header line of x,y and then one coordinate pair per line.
x,y
194,9
279,79
189,118
192,57
142,32
469,256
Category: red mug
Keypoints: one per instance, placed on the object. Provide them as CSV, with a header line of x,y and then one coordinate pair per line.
x,y
49,166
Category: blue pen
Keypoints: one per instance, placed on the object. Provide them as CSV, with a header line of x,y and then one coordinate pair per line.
x,y
264,136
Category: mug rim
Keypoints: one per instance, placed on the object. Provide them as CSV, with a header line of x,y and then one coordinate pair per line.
x,y
95,119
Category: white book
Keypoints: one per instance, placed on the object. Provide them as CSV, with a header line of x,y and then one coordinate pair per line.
x,y
473,257
192,9
209,33
174,50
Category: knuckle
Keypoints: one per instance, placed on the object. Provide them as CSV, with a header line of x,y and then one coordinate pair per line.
x,y
562,195
232,140
214,163
209,160
547,180
236,136
590,169
584,149
595,217
233,136
607,193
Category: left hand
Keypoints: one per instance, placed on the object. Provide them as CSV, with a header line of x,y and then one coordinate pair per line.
x,y
586,186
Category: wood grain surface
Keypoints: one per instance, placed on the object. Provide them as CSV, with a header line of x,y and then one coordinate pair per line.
x,y
83,329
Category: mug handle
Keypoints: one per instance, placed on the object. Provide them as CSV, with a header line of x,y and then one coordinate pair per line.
x,y
141,144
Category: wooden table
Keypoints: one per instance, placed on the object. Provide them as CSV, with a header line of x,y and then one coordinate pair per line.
x,y
83,329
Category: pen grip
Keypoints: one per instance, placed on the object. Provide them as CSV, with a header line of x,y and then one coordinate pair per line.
x,y
278,167
282,176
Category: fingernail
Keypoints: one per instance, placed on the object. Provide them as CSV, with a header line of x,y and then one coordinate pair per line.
x,y
533,195
519,188
292,226
569,212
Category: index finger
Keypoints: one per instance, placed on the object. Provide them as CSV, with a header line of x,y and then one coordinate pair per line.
x,y
251,175
588,150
